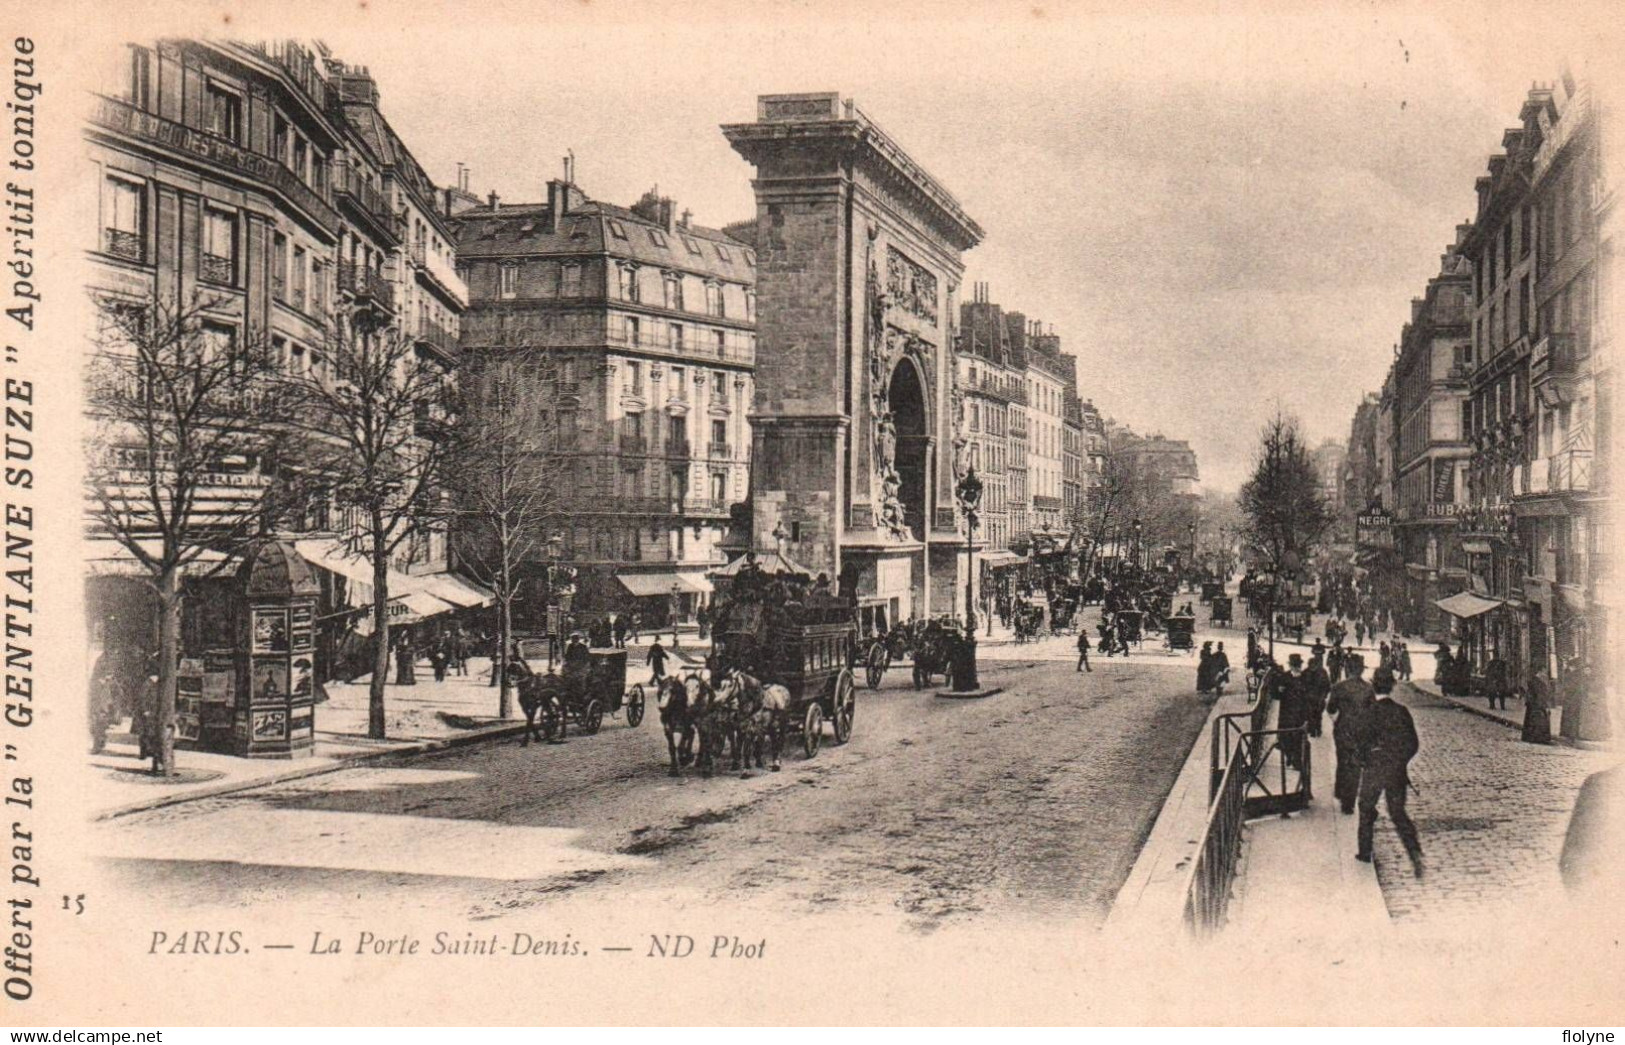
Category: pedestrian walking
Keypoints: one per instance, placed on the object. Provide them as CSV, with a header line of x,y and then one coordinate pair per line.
x,y
1317,685
1389,743
1359,633
656,659
438,657
1204,668
1083,650
1405,661
1497,681
405,658
1349,703
1537,703
1291,712
1221,669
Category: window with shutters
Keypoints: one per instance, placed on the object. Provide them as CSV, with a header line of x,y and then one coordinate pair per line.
x,y
223,111
509,279
218,261
124,218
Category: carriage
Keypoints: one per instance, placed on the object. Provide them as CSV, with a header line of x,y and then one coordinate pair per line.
x,y
1133,630
1293,618
1181,634
877,654
583,696
812,657
934,653
1221,608
1212,590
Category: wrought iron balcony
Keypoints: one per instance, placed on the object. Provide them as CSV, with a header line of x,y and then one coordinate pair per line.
x,y
717,451
366,286
679,448
126,245
367,201
631,443
432,337
122,118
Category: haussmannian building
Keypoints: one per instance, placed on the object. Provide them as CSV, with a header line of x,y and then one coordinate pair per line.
x,y
642,326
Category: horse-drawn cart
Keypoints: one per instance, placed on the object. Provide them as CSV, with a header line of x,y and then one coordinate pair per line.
x,y
1181,634
1221,607
583,695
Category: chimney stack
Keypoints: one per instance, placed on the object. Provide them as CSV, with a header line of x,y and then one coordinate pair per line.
x,y
688,216
494,201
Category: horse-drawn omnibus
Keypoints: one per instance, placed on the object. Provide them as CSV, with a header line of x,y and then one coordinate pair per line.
x,y
810,650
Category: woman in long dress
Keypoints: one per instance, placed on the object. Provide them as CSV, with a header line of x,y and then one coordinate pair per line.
x,y
1537,716
1204,669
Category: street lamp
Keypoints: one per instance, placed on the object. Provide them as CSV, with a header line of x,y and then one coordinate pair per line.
x,y
555,622
969,493
676,603
1135,546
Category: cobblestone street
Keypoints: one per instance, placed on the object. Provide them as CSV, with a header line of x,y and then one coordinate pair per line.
x,y
1492,812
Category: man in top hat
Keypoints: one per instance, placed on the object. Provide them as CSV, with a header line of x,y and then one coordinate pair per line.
x,y
1388,743
1292,708
1317,685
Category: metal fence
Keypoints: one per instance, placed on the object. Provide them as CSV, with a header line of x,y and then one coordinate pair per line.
x,y
1207,898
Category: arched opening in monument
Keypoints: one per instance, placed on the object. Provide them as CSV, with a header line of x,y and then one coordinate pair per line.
x,y
906,397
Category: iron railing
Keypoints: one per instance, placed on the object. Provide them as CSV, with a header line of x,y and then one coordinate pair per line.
x,y
1207,897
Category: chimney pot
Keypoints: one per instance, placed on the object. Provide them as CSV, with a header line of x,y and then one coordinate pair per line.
x,y
494,200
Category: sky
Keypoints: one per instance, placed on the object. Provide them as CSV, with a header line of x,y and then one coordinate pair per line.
x,y
1221,209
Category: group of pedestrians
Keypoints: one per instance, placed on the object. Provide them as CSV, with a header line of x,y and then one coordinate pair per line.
x,y
1374,736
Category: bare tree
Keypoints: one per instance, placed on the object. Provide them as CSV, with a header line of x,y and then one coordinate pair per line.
x,y
1285,515
183,460
377,411
505,482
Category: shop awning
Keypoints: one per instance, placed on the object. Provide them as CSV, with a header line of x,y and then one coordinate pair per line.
x,y
407,608
109,558
1476,547
419,595
1002,557
459,591
661,583
1465,605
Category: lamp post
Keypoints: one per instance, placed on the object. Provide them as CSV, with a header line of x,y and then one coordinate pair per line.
x,y
1135,547
555,622
969,493
676,603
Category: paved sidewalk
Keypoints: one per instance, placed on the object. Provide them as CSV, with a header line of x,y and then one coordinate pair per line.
x,y
1299,879
421,717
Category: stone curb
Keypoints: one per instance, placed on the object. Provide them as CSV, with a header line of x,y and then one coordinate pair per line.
x,y
344,762
1485,713
948,694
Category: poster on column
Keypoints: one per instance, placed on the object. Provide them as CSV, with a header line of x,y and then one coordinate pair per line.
x,y
503,305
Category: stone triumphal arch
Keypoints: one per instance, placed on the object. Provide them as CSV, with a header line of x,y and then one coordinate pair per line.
x,y
858,272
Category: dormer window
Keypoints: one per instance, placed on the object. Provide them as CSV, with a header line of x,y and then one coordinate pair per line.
x,y
722,252
616,229
693,247
657,237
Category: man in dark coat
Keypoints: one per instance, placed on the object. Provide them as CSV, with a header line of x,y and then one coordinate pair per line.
x,y
1290,692
1083,650
656,659
1349,703
1317,685
1334,663
1388,744
1497,681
